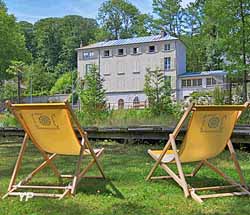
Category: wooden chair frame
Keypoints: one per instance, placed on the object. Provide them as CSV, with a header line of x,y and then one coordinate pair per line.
x,y
48,161
180,178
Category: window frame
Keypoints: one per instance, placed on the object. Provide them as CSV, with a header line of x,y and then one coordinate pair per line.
x,y
106,51
120,53
88,55
151,50
167,45
167,63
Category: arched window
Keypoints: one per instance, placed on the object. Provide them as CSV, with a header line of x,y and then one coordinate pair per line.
x,y
136,102
120,104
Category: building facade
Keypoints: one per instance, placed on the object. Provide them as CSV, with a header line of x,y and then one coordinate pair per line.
x,y
190,82
123,64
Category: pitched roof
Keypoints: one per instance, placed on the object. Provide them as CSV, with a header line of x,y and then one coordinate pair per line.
x,y
204,73
128,41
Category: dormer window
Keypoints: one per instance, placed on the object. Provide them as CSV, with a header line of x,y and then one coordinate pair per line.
x,y
120,52
151,49
106,53
135,50
167,47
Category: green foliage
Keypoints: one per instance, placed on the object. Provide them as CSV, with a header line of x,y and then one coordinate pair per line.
x,y
8,120
219,96
8,91
121,19
57,38
27,30
12,43
169,16
39,79
158,90
92,97
201,97
230,28
64,83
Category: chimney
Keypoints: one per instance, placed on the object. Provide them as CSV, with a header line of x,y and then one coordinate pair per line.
x,y
81,44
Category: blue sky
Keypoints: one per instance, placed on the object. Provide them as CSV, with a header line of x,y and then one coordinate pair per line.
x,y
33,10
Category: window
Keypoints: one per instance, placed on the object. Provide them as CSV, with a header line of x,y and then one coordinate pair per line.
x,y
197,82
151,49
167,47
88,55
88,68
135,50
120,104
136,102
184,83
106,53
120,52
167,63
200,82
191,82
210,81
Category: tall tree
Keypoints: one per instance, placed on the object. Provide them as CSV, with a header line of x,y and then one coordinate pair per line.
x,y
193,36
93,101
169,16
15,70
158,90
121,19
3,5
230,21
48,40
28,32
12,42
74,30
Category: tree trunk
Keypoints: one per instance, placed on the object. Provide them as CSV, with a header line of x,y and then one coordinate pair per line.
x,y
19,87
243,51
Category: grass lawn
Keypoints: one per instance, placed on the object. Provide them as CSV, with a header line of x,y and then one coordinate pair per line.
x,y
125,191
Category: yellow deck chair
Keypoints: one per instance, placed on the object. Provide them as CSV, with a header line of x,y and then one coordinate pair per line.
x,y
50,129
208,133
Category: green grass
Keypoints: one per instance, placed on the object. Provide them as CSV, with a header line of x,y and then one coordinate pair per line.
x,y
125,191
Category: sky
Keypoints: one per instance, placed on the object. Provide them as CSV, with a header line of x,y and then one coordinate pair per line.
x,y
33,10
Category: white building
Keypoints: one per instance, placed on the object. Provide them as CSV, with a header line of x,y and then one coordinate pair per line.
x,y
200,81
123,64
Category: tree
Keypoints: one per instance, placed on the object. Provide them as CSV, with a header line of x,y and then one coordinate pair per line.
x,y
64,83
56,39
121,19
74,30
169,16
12,43
38,80
232,28
48,42
3,5
93,101
28,33
158,90
15,70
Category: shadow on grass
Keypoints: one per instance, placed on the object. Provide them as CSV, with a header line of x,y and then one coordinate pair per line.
x,y
100,187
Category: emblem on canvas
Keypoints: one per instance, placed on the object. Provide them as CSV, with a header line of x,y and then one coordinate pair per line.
x,y
213,123
45,121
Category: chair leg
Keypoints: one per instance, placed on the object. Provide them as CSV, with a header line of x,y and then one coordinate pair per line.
x,y
236,164
179,167
158,161
197,168
18,162
76,176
